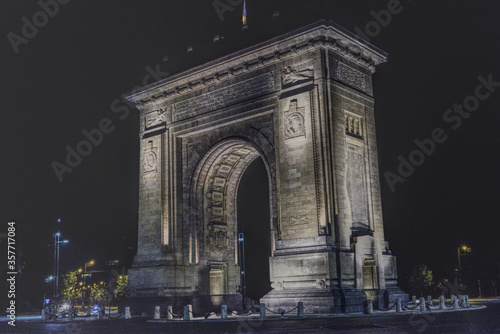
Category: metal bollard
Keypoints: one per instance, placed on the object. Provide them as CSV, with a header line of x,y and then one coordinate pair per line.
x,y
369,306
399,306
300,309
170,312
429,300
185,316
262,308
127,312
414,299
190,308
71,315
44,317
157,313
223,312
467,301
100,312
422,304
455,303
442,305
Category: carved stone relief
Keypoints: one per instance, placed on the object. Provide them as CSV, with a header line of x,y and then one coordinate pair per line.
x,y
351,77
356,188
291,75
155,118
150,158
294,121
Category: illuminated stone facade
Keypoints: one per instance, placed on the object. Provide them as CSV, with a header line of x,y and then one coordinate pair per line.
x,y
304,103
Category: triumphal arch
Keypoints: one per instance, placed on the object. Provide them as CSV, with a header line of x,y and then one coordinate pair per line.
x,y
303,102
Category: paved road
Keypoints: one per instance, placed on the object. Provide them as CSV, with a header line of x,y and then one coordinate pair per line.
x,y
485,320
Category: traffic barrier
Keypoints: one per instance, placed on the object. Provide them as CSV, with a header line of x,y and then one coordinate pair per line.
x,y
369,306
300,309
262,309
186,316
157,313
422,304
223,312
399,307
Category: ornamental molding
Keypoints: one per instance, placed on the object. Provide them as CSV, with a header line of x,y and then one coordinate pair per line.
x,y
328,37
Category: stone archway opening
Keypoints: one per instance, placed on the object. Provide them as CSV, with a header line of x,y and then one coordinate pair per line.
x,y
229,200
254,222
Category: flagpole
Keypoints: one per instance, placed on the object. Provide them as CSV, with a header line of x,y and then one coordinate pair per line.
x,y
244,16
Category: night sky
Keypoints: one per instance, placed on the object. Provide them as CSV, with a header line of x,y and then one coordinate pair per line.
x,y
64,79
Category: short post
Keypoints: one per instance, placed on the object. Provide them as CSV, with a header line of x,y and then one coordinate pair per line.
x,y
442,305
70,313
44,317
262,309
455,302
369,306
300,309
157,313
190,309
414,299
185,316
429,300
127,312
223,312
467,301
100,313
399,306
170,312
422,304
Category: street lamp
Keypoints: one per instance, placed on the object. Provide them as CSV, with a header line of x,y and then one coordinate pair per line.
x,y
57,243
462,250
90,263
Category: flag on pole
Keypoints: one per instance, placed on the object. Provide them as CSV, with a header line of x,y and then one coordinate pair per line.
x,y
244,18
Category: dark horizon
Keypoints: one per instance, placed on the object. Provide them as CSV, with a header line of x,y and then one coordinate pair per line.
x,y
65,79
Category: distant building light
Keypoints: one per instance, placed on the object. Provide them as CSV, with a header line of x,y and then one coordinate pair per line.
x,y
276,14
190,49
165,58
58,220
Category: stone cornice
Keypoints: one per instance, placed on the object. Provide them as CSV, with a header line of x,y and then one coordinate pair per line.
x,y
323,34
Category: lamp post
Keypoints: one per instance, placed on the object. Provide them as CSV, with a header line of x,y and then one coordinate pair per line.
x,y
90,263
57,243
460,251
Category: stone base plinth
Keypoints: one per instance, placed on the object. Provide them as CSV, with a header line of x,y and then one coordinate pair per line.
x,y
391,293
316,301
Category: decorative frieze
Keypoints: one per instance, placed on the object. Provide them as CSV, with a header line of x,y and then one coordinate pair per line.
x,y
225,96
351,77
